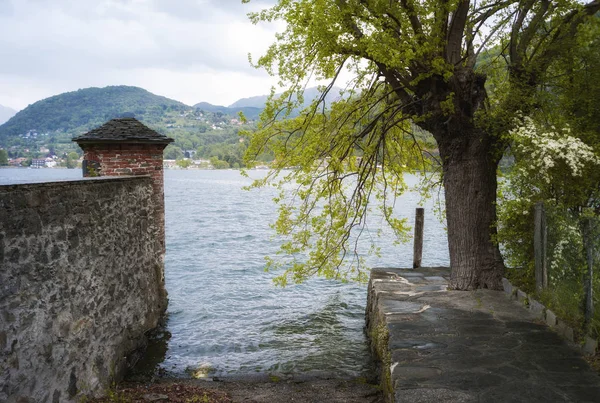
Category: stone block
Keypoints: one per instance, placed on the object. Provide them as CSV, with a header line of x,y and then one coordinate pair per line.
x,y
521,296
590,346
550,318
565,330
508,287
537,308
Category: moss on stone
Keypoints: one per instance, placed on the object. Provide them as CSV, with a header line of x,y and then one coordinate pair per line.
x,y
380,336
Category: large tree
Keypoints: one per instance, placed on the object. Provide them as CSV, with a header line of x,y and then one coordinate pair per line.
x,y
414,63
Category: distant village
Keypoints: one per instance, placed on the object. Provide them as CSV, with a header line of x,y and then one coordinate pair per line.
x,y
51,161
37,149
72,160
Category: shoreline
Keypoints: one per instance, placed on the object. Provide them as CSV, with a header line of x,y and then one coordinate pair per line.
x,y
249,390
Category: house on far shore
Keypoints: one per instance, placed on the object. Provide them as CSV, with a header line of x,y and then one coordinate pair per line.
x,y
38,163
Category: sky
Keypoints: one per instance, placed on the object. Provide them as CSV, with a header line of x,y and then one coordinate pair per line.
x,y
187,50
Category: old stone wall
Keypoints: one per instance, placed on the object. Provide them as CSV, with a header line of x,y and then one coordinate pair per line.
x,y
81,281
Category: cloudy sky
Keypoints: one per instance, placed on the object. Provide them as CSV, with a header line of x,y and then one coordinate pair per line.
x,y
188,50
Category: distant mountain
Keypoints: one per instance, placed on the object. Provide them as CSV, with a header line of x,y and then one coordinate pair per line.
x,y
253,106
309,95
257,101
79,111
6,113
248,111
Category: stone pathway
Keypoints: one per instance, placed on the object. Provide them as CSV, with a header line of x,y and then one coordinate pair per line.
x,y
453,346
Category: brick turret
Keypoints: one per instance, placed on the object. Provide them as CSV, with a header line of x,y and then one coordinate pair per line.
x,y
123,147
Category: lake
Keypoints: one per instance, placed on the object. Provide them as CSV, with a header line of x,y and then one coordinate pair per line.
x,y
224,311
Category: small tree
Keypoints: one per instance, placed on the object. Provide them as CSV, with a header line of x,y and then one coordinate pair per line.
x,y
173,152
3,157
218,164
184,163
72,158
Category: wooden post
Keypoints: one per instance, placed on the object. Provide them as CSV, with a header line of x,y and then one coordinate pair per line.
x,y
418,247
588,282
540,238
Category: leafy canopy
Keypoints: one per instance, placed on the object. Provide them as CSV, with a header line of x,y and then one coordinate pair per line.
x,y
412,63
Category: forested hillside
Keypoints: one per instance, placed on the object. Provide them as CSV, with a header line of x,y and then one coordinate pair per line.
x,y
79,111
250,112
204,130
46,127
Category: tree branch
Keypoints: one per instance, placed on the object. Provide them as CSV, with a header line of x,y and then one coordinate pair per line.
x,y
456,33
413,18
566,31
396,83
533,27
524,8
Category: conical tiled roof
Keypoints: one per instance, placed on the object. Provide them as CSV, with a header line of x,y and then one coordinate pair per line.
x,y
127,130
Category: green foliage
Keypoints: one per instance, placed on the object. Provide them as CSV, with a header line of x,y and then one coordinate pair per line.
x,y
172,152
573,86
251,112
558,169
219,164
413,63
3,157
557,158
71,161
82,110
565,298
230,152
342,169
52,123
184,163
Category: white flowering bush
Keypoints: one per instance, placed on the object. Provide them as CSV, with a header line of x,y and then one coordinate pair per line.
x,y
555,167
550,156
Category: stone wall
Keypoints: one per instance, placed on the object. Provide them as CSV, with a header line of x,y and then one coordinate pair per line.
x,y
81,281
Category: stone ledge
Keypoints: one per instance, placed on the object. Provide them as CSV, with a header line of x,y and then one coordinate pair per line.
x,y
537,308
72,182
551,319
589,346
565,331
522,296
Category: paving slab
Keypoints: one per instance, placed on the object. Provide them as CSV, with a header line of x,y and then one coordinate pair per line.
x,y
437,345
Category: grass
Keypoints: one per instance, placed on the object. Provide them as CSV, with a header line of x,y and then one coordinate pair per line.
x,y
565,299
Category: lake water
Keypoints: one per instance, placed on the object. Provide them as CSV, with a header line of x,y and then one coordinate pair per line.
x,y
224,311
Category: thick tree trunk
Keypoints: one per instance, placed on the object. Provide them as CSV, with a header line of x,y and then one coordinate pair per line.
x,y
470,184
470,157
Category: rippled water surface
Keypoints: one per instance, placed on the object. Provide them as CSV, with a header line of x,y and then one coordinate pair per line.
x,y
224,311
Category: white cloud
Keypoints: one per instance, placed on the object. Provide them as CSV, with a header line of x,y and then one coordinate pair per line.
x,y
189,50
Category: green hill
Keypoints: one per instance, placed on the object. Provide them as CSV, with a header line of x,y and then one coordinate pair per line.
x,y
203,131
79,111
310,94
249,111
46,127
